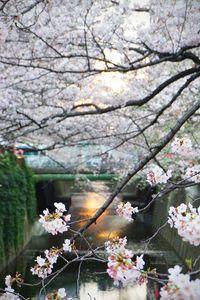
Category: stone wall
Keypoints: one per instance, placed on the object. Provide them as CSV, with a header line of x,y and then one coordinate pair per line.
x,y
160,215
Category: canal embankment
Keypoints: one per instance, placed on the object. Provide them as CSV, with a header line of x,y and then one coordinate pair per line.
x,y
185,251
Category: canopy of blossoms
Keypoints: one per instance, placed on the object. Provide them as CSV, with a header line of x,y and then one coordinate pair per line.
x,y
119,74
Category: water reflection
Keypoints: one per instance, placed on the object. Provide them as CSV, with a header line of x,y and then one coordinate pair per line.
x,y
92,202
90,291
109,225
83,203
96,287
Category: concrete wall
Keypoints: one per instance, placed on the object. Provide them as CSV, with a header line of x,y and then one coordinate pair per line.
x,y
160,215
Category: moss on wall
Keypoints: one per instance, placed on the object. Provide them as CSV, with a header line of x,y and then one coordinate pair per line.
x,y
17,204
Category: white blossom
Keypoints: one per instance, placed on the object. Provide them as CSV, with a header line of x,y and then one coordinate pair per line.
x,y
44,266
8,280
62,293
192,174
126,210
9,291
180,286
60,207
186,219
121,268
41,261
67,245
182,146
56,222
156,175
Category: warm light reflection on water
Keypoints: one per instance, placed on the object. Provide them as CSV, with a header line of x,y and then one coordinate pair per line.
x,y
92,202
107,235
90,290
106,227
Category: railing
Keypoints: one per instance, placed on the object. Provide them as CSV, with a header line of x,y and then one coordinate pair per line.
x,y
73,177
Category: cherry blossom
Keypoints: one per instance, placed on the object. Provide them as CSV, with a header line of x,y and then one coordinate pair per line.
x,y
57,295
156,175
3,31
8,295
170,14
48,88
186,219
117,244
192,174
180,286
55,222
182,146
8,280
9,291
44,266
121,268
60,207
42,270
126,210
140,262
52,254
61,293
64,63
67,246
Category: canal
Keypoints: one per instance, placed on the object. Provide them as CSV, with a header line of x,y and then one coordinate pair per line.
x,y
94,284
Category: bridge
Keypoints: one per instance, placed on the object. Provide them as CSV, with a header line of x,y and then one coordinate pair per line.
x,y
93,162
83,163
73,177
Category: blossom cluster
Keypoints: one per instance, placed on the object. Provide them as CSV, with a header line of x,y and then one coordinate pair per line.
x,y
182,146
44,266
121,268
55,222
126,210
156,175
193,174
58,295
115,245
9,291
180,286
186,219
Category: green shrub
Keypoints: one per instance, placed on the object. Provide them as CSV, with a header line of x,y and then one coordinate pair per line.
x,y
17,204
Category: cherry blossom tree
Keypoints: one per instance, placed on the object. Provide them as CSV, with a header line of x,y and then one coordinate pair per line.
x,y
124,74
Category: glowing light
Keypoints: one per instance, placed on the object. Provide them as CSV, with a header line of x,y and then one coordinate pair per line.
x,y
112,82
105,235
92,202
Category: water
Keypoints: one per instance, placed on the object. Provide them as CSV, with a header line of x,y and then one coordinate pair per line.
x,y
94,283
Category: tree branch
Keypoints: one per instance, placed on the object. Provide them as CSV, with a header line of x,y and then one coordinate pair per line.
x,y
167,138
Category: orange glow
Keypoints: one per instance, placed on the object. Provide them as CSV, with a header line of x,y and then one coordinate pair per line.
x,y
92,202
106,235
101,229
